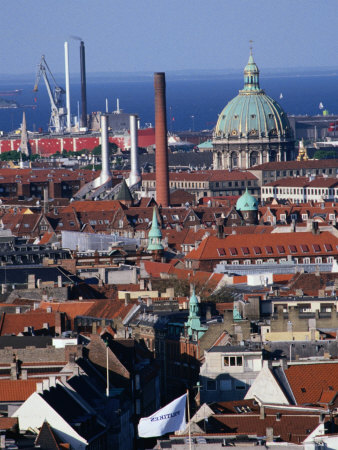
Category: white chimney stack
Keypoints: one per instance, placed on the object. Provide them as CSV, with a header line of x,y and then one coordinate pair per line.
x,y
67,86
105,172
135,175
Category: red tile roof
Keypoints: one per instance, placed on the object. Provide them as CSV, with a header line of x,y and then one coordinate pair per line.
x,y
309,381
17,390
266,243
290,427
16,323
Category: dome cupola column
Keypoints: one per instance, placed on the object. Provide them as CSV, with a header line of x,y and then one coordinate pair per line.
x,y
251,75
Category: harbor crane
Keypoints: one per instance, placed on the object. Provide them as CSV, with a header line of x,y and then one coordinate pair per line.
x,y
58,111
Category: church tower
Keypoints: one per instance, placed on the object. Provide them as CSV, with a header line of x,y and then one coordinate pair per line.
x,y
155,236
193,325
25,147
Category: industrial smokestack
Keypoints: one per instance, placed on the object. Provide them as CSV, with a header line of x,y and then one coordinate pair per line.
x,y
105,172
161,156
45,199
83,86
135,175
67,86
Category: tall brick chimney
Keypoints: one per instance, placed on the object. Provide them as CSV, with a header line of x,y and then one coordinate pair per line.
x,y
161,157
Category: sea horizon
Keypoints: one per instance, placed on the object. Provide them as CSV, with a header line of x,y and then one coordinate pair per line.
x,y
194,99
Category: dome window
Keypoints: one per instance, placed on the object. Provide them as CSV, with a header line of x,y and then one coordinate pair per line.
x,y
223,117
253,116
235,116
270,116
234,132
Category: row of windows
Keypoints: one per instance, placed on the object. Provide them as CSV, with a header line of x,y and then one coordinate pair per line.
x,y
300,191
291,173
281,249
178,184
234,183
317,260
227,385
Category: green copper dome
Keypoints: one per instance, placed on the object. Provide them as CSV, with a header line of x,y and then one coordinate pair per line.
x,y
252,114
247,202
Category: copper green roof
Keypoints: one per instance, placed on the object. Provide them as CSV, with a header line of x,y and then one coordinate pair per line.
x,y
252,113
247,202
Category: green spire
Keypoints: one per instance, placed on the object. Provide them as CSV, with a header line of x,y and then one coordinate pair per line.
x,y
251,75
155,235
193,324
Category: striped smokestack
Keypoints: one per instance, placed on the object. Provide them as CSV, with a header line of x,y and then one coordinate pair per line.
x,y
161,160
83,86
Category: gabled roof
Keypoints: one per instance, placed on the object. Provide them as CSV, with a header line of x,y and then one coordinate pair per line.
x,y
47,439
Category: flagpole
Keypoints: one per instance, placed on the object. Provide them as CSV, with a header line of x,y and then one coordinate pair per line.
x,y
189,419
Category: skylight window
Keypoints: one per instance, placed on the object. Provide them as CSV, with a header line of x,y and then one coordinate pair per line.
x,y
328,247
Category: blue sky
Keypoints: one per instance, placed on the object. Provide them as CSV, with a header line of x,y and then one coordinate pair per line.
x,y
166,35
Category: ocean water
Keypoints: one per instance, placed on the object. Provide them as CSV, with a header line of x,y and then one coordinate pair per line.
x,y
191,103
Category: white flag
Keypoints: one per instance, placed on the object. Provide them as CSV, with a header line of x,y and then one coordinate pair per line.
x,y
165,420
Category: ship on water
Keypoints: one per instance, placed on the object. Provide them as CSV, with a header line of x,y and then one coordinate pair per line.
x,y
8,104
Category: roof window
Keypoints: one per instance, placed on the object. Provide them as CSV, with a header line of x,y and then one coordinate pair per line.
x,y
221,252
316,247
293,248
328,247
233,251
304,248
257,250
245,250
269,249
281,249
